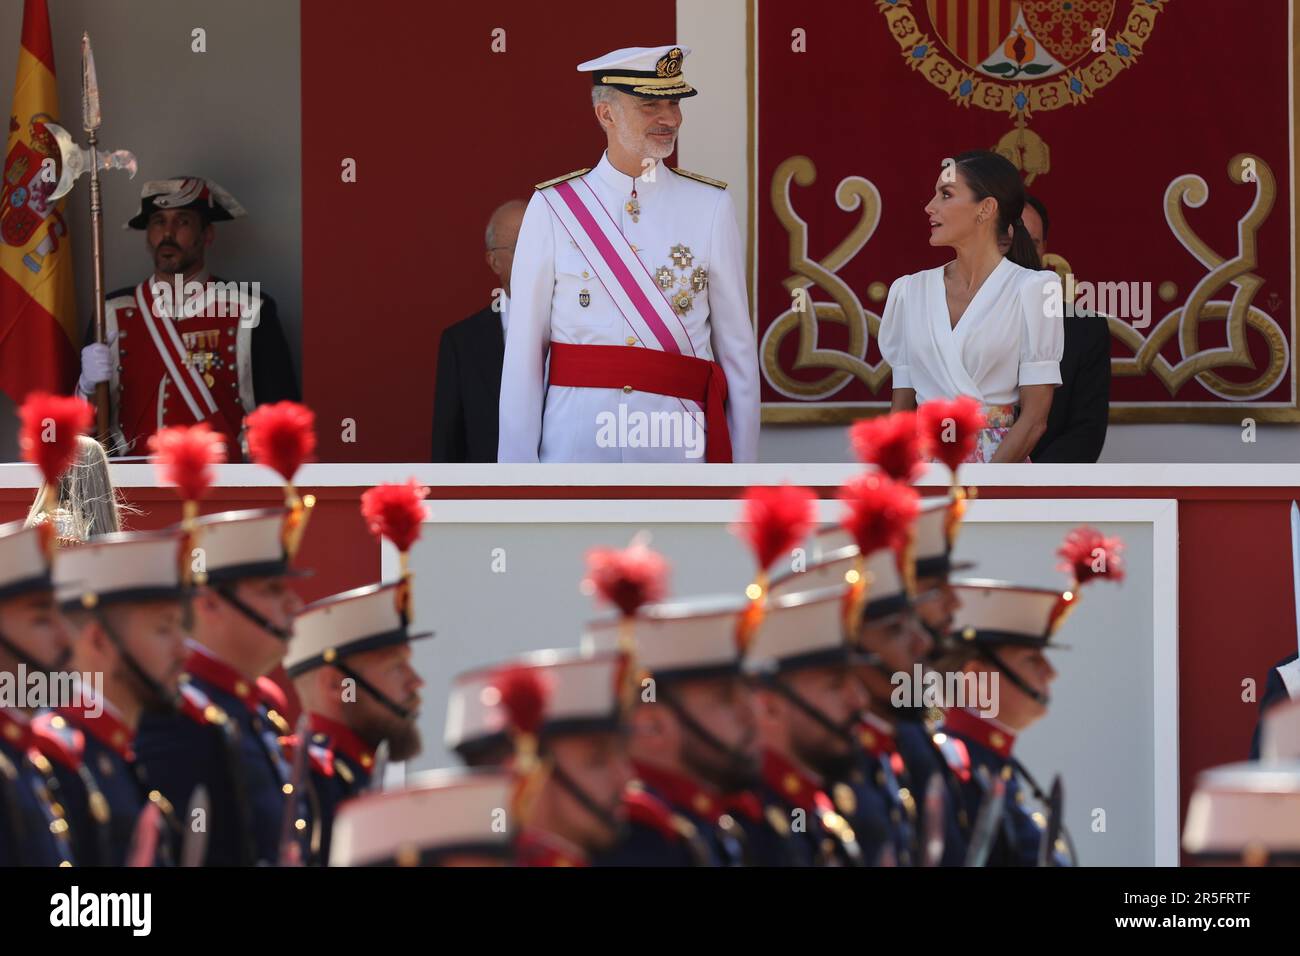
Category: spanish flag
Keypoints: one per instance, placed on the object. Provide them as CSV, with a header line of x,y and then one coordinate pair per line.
x,y
39,340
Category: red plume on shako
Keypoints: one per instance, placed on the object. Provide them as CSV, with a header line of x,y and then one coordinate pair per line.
x,y
891,443
949,430
50,425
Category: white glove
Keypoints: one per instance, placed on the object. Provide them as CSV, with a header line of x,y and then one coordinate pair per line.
x,y
96,366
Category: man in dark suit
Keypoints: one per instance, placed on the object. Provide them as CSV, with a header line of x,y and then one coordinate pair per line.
x,y
1076,425
465,402
1282,677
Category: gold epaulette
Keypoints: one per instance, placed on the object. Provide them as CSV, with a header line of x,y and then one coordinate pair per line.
x,y
566,177
698,178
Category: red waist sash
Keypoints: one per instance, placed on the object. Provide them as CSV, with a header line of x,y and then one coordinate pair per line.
x,y
649,370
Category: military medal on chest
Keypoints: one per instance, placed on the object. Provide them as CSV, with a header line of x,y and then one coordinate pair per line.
x,y
633,206
679,281
202,352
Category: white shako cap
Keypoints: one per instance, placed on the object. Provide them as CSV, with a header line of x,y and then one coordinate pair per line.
x,y
455,811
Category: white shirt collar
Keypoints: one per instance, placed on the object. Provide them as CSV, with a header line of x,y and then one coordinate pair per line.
x,y
622,182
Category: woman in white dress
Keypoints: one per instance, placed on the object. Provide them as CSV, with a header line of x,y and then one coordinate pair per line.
x,y
983,325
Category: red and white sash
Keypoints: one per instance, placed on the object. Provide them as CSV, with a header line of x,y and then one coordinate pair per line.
x,y
626,279
162,332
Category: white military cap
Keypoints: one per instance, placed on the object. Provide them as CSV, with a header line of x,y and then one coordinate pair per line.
x,y
934,535
25,556
1246,812
642,71
246,544
363,619
584,694
120,567
1279,738
442,813
831,539
832,568
996,613
886,593
702,637
802,630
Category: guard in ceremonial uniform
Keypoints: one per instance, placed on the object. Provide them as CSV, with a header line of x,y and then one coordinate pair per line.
x,y
1004,629
444,818
693,742
33,827
360,636
876,794
123,596
575,805
628,306
227,735
808,704
212,353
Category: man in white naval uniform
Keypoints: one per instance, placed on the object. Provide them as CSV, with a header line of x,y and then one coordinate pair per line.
x,y
630,336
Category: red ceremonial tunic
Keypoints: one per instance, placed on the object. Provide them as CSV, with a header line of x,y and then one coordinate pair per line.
x,y
180,371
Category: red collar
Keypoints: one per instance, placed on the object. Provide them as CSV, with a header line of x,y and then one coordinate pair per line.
x,y
107,728
746,804
342,739
682,792
876,737
538,848
205,667
16,730
982,730
791,784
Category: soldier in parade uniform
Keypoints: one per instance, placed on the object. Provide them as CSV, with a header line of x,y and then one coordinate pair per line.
x,y
808,702
33,827
628,302
875,794
693,742
123,597
207,356
226,736
574,805
446,818
1004,630
350,661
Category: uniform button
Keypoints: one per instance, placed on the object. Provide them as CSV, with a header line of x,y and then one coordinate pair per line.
x,y
631,340
586,276
300,824
241,689
627,389
287,789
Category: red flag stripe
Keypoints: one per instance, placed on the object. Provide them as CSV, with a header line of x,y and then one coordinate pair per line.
x,y
34,349
36,32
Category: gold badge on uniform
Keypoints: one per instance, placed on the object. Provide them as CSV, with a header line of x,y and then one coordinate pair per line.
x,y
584,298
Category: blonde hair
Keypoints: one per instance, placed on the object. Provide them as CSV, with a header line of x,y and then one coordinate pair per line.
x,y
88,504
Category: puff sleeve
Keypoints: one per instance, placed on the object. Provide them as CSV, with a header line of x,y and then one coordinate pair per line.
x,y
893,334
1042,333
